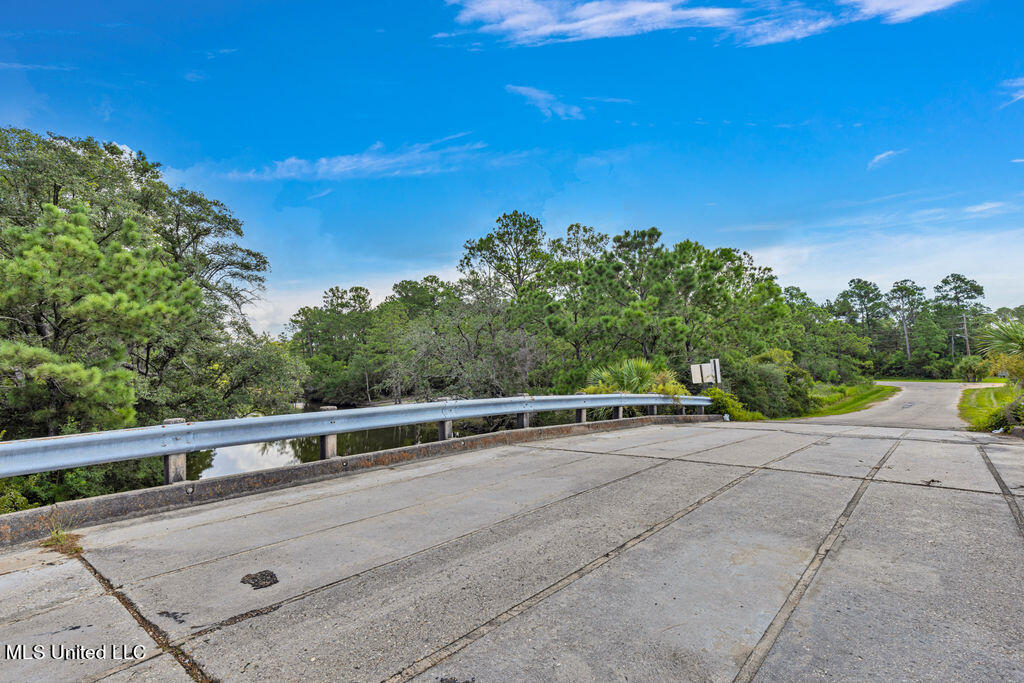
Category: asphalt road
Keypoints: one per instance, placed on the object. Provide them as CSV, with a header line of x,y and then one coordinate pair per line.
x,y
917,404
721,551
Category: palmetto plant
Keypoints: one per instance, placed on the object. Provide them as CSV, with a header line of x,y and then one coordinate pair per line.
x,y
634,376
1003,336
1003,342
631,376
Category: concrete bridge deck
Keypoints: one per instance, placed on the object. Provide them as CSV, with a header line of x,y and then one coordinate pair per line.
x,y
767,551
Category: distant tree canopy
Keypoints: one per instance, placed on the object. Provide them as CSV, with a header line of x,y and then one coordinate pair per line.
x,y
537,314
533,313
912,335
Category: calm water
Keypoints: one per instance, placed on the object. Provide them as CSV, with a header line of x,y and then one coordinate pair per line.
x,y
261,456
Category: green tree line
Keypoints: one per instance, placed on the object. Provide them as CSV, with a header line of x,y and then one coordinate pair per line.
x,y
538,313
916,335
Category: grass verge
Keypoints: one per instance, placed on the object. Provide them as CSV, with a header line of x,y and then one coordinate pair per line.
x,y
852,399
977,405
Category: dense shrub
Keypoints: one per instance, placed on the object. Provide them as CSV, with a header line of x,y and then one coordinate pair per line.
x,y
771,383
1009,415
971,368
724,403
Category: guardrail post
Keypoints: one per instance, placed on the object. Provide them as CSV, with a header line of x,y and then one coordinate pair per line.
x,y
522,419
328,442
581,415
617,412
444,430
175,463
652,410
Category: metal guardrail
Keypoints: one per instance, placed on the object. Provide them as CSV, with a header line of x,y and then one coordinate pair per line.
x,y
28,456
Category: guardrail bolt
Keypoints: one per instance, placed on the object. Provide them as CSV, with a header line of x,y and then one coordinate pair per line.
x,y
522,420
617,412
652,410
175,463
581,415
328,442
444,430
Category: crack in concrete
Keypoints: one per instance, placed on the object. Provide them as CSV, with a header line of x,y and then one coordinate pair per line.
x,y
760,651
618,452
972,440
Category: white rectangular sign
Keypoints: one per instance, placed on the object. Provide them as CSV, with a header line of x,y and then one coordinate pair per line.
x,y
697,377
706,373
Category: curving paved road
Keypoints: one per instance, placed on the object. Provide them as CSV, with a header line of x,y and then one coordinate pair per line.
x,y
930,405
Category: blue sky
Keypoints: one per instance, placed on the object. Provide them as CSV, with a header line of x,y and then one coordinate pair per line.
x,y
363,143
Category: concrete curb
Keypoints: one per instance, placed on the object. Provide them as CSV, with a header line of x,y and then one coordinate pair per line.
x,y
29,525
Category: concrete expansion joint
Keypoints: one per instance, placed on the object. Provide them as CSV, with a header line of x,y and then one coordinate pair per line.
x,y
1011,500
155,632
757,656
618,452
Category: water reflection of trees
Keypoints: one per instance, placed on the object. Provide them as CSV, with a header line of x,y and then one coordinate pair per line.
x,y
307,449
198,462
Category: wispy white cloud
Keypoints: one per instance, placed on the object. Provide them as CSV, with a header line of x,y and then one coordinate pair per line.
x,y
609,100
985,207
1015,88
213,54
104,108
438,156
194,76
752,22
318,195
781,21
1017,161
541,21
547,103
884,158
35,33
896,11
17,66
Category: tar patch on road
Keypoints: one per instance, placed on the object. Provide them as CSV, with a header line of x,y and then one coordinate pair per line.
x,y
260,579
178,617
